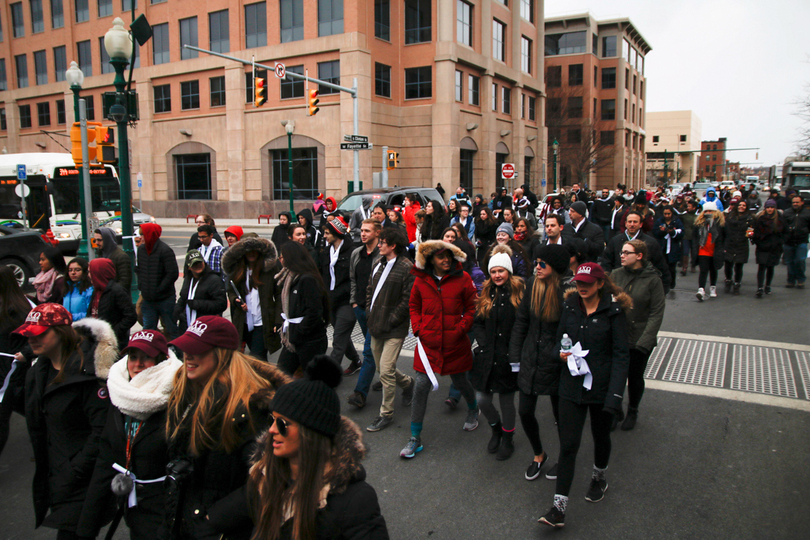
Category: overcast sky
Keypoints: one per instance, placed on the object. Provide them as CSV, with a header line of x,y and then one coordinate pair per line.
x,y
738,64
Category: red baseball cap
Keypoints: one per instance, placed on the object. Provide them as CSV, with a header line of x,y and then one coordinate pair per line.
x,y
151,342
589,273
43,317
206,333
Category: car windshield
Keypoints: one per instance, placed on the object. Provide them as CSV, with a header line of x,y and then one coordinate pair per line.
x,y
352,202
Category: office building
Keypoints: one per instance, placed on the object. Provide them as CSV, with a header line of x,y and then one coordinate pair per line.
x,y
673,146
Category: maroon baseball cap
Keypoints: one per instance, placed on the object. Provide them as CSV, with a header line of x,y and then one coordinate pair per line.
x,y
151,342
589,273
206,333
43,317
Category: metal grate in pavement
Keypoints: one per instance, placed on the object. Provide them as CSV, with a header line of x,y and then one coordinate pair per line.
x,y
762,370
697,362
803,361
657,358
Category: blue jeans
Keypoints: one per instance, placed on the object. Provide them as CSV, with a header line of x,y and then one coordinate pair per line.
x,y
796,260
369,367
154,311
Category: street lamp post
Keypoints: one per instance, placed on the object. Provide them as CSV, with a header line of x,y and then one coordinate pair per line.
x,y
289,125
75,78
555,146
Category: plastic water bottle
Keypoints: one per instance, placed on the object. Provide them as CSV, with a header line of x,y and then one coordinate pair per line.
x,y
566,343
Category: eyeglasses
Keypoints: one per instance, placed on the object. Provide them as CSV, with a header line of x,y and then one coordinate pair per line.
x,y
628,253
71,270
541,264
281,425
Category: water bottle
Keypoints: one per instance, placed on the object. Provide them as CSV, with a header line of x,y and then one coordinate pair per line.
x,y
566,343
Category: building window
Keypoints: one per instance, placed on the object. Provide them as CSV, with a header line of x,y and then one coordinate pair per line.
x,y
44,114
193,176
382,19
526,54
37,17
506,100
714,168
218,35
459,86
683,138
59,62
3,124
594,108
90,104
465,179
25,116
575,107
106,66
105,8
626,79
60,111
626,109
527,10
21,62
329,72
57,14
160,44
188,36
330,17
570,43
532,114
608,46
523,105
655,139
382,80
256,25
418,83
3,81
498,44
217,91
163,98
17,21
261,74
575,75
494,97
85,54
472,90
189,95
305,174
528,161
554,108
641,89
554,76
608,78
464,23
417,21
574,136
129,5
635,77
633,113
608,109
595,76
82,10
291,88
41,67
292,21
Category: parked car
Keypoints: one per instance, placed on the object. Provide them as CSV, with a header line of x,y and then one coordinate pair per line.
x,y
20,250
389,197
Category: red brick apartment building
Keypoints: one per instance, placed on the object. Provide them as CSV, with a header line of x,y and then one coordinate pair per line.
x,y
712,160
596,100
454,86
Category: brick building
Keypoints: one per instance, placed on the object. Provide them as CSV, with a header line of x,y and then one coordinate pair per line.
x,y
712,160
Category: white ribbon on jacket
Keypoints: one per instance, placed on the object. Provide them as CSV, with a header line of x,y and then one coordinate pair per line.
x,y
426,364
8,377
133,499
287,322
578,366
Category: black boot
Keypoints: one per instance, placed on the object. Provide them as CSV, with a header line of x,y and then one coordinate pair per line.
x,y
495,441
616,419
737,289
507,447
728,286
630,420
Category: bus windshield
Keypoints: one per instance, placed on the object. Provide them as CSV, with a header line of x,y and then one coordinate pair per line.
x,y
104,190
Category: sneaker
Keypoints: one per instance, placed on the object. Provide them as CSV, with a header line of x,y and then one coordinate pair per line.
x,y
353,368
380,422
759,293
712,292
407,393
767,290
357,399
736,289
701,294
412,448
597,490
451,403
551,474
554,518
800,285
377,386
471,423
533,472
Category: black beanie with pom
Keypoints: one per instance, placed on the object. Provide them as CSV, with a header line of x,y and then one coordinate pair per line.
x,y
312,401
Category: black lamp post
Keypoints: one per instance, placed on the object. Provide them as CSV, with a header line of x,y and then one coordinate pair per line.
x,y
555,146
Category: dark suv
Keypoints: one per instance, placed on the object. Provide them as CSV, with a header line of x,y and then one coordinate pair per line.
x,y
389,197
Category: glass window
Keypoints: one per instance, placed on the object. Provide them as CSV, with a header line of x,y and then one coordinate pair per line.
x,y
90,103
575,107
292,20
25,116
21,63
641,89
608,46
37,17
1,32
506,100
626,108
59,62
41,67
217,91
3,81
17,21
570,43
459,86
574,136
682,138
464,23
494,97
163,98
129,5
532,113
160,44
85,54
418,83
526,54
627,49
218,34
527,10
626,79
44,114
193,173
293,88
105,8
523,105
633,113
188,36
607,138
60,111
382,80
498,45
608,78
417,21
554,76
575,75
635,79
256,25
82,10
466,169
608,109
305,173
329,72
655,138
57,14
382,19
3,124
472,90
106,66
189,95
594,44
260,73
528,162
330,17
554,108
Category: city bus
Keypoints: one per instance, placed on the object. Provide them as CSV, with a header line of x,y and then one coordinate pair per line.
x,y
53,200
796,176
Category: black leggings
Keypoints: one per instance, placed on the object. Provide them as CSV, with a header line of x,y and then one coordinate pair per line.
x,y
673,272
764,275
707,268
527,403
635,377
572,422
5,419
737,268
289,362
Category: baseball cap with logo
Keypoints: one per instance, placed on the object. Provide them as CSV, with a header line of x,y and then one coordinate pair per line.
x,y
206,333
43,317
194,256
151,342
589,273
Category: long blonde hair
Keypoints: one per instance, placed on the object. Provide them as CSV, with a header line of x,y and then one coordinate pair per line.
x,y
716,214
546,302
487,296
237,380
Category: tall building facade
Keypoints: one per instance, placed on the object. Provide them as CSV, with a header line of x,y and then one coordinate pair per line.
x,y
713,160
595,107
673,146
454,86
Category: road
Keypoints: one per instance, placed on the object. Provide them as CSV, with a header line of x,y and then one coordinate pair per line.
x,y
720,451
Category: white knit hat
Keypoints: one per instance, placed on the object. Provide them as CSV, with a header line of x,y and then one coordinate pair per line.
x,y
709,206
501,257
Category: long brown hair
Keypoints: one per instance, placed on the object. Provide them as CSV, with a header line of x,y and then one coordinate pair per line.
x,y
256,267
546,297
273,489
70,340
487,296
237,379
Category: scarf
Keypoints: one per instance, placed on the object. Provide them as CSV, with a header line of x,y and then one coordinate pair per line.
x,y
285,279
44,282
520,236
334,253
147,392
191,314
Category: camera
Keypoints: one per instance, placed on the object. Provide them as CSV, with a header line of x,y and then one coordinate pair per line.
x,y
177,472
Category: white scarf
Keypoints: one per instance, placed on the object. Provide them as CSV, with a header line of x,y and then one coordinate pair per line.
x,y
333,258
613,217
147,392
191,314
205,251
254,312
389,265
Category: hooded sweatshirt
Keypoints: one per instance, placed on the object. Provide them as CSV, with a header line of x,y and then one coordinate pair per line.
x,y
151,233
312,233
280,233
102,271
111,250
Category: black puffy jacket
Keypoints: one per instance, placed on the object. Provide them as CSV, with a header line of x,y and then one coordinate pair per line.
x,y
209,297
157,272
737,243
491,369
307,301
115,307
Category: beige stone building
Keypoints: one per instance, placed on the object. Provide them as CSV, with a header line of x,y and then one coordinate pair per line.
x,y
454,86
676,134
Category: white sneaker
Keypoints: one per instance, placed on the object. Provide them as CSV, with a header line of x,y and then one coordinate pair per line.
x,y
701,294
712,292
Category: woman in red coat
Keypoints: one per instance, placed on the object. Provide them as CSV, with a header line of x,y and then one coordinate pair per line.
x,y
410,206
442,310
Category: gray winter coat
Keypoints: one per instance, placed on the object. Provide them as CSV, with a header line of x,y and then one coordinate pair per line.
x,y
645,318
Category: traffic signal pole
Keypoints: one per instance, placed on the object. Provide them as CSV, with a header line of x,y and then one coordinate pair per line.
x,y
85,245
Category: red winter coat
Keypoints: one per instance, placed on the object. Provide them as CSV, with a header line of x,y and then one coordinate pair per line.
x,y
441,320
409,215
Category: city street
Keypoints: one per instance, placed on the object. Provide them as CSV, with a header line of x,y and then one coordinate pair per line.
x,y
720,451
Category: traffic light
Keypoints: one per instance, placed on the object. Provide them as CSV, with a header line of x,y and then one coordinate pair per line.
x,y
76,142
105,140
393,160
260,91
313,102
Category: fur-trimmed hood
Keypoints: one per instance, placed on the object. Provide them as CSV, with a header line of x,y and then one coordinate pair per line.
x,y
623,299
271,374
99,333
266,248
427,249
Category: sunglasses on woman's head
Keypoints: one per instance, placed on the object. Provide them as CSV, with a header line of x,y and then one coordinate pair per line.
x,y
281,425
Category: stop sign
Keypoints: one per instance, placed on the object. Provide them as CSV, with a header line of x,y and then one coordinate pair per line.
x,y
508,171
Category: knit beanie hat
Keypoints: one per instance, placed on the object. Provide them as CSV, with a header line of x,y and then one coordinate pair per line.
x,y
709,206
769,203
312,401
501,258
580,208
338,226
507,228
556,256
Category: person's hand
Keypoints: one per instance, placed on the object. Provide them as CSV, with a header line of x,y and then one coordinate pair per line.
x,y
564,356
241,305
19,357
